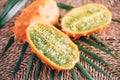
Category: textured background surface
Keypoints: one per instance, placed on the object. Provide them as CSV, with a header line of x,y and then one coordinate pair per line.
x,y
111,35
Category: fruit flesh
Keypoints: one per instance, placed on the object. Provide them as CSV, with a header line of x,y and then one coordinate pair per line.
x,y
84,20
45,11
60,51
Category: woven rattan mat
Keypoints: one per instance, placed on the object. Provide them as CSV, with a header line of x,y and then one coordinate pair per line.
x,y
111,35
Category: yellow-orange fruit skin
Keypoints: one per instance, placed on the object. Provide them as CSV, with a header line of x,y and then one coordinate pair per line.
x,y
39,11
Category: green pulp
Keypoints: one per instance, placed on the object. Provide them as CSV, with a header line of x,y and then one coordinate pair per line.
x,y
53,45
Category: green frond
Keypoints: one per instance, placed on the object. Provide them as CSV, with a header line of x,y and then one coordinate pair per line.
x,y
74,75
84,72
92,55
98,40
94,65
12,12
98,46
64,6
16,68
60,75
37,70
7,8
52,72
57,26
115,20
10,42
32,57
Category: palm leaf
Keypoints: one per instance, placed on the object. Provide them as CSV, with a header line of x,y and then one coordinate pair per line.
x,y
60,75
74,75
93,55
7,8
10,42
64,6
115,20
98,40
97,58
58,27
83,71
16,68
52,72
29,66
98,46
94,65
12,12
37,70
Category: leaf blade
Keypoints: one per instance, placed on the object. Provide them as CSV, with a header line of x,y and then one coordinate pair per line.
x,y
92,54
52,72
20,58
94,65
97,58
7,8
74,75
29,66
64,6
9,44
98,46
60,75
37,71
12,12
98,40
115,20
84,72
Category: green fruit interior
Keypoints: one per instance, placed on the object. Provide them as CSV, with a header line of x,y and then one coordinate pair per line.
x,y
86,18
53,45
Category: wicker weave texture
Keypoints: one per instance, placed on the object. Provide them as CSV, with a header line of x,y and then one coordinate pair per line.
x,y
111,35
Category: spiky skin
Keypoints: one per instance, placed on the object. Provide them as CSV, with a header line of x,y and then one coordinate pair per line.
x,y
45,11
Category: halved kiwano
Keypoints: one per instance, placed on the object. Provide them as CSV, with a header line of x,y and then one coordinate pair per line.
x,y
52,46
84,20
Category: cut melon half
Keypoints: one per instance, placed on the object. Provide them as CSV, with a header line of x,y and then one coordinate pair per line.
x,y
83,21
52,46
